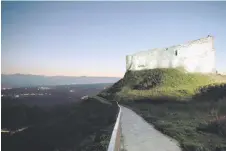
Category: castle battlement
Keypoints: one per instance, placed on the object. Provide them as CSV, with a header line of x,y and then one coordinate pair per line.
x,y
195,56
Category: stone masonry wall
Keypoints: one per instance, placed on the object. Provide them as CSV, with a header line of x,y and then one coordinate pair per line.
x,y
194,56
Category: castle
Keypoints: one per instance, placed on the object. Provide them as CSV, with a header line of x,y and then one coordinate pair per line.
x,y
194,56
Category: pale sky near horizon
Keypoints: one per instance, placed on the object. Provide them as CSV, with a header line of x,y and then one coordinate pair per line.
x,y
93,38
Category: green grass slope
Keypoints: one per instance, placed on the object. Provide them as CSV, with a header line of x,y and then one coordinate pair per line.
x,y
155,83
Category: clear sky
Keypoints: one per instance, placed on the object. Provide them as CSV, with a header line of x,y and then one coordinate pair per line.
x,y
93,38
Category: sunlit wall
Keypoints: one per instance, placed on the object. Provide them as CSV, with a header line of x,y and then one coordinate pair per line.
x,y
194,56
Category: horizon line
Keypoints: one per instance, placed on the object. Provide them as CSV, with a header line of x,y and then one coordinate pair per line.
x,y
60,75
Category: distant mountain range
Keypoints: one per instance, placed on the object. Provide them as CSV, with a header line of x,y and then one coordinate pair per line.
x,y
24,80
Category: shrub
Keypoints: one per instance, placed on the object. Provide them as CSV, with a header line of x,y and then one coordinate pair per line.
x,y
217,126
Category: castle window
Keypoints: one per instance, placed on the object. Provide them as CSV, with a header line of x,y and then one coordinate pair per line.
x,y
176,53
140,66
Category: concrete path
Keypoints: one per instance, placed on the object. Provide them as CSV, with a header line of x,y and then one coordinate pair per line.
x,y
138,135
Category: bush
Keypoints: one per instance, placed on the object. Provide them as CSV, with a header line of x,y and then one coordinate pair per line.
x,y
217,126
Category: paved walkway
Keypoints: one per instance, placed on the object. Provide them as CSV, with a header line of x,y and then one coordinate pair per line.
x,y
138,135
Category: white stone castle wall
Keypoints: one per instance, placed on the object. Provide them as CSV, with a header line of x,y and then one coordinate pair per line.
x,y
195,56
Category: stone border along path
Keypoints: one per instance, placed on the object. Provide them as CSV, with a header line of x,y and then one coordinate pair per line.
x,y
138,135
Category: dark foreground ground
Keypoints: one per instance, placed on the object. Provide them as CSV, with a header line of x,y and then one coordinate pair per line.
x,y
73,126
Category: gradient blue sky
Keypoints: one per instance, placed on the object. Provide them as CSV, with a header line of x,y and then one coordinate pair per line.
x,y
93,38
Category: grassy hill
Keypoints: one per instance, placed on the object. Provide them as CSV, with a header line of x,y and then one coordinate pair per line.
x,y
160,83
190,107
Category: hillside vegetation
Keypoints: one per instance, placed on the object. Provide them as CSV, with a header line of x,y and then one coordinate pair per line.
x,y
159,83
82,126
189,107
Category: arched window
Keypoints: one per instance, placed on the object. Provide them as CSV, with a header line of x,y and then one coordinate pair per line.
x,y
176,53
